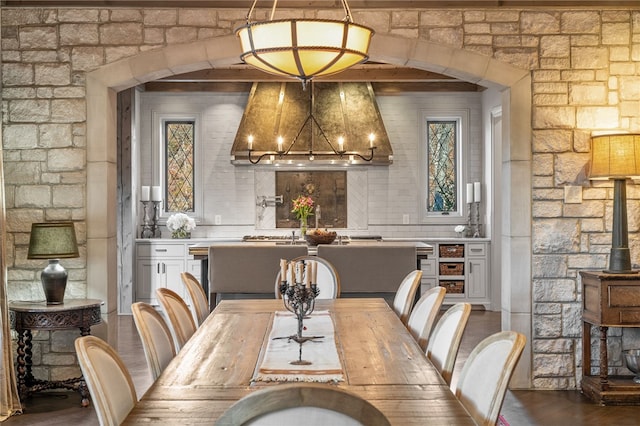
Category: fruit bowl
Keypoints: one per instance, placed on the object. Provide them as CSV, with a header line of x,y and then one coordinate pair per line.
x,y
632,359
318,236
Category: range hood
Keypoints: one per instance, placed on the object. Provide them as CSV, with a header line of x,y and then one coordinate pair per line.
x,y
313,119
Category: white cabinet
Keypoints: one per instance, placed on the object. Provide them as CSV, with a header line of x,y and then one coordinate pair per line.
x,y
159,264
461,267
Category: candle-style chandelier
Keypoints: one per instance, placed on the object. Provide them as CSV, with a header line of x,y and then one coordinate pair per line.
x,y
338,149
303,48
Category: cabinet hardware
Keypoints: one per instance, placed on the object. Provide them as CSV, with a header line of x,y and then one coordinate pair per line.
x,y
161,250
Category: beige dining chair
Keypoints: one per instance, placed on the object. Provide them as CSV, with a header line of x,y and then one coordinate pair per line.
x,y
403,300
302,403
199,299
109,382
444,342
327,277
155,336
486,373
423,315
179,316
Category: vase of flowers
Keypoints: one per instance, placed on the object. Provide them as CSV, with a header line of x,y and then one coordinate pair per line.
x,y
303,208
181,225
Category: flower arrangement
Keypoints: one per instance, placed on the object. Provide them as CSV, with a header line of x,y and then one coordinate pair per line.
x,y
460,229
303,208
180,225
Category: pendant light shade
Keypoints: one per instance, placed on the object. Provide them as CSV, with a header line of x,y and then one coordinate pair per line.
x,y
304,48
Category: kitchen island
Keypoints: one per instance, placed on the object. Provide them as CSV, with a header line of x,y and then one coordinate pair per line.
x,y
250,268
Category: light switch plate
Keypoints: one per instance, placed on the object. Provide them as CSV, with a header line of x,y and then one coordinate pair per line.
x,y
572,194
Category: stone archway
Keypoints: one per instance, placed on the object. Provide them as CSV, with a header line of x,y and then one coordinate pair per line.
x,y
515,84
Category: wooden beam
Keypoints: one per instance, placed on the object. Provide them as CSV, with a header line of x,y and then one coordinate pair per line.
x,y
320,4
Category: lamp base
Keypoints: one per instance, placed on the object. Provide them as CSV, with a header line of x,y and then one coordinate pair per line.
x,y
620,261
54,282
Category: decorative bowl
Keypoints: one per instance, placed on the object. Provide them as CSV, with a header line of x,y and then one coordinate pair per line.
x,y
318,236
632,359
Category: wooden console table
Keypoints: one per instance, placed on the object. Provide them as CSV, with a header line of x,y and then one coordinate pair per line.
x,y
609,300
28,316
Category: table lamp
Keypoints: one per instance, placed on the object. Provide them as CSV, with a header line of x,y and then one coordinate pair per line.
x,y
617,158
53,241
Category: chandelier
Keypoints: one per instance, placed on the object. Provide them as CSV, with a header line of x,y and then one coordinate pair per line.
x,y
336,149
303,48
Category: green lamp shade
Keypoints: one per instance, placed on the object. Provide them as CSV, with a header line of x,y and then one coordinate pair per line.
x,y
53,240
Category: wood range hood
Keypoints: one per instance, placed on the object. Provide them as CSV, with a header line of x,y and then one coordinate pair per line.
x,y
313,123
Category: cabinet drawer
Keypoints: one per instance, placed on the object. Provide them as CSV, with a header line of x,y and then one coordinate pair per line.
x,y
428,267
164,250
476,249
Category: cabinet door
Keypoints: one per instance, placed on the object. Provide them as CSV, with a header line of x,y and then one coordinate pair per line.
x,y
172,269
476,278
148,278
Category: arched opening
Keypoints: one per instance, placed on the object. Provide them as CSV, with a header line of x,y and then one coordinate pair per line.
x,y
512,170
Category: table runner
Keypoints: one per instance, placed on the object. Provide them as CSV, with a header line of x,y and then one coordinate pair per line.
x,y
275,363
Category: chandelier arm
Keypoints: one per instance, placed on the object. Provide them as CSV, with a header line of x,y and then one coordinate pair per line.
x,y
347,11
253,6
298,134
362,156
273,9
335,151
260,157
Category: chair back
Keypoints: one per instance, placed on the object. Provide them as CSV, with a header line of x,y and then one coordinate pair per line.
x,y
423,315
328,279
155,335
109,382
403,300
199,299
302,403
445,339
486,373
179,316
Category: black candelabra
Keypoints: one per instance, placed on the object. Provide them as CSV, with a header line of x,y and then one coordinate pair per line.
x,y
299,299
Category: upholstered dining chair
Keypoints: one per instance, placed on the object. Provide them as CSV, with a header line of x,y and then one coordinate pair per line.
x,y
486,373
199,299
298,403
403,300
423,315
444,342
179,316
155,336
109,382
328,278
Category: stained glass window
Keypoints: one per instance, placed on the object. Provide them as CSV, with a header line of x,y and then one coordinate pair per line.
x,y
179,166
441,165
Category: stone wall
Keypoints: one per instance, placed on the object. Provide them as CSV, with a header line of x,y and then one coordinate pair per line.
x,y
586,77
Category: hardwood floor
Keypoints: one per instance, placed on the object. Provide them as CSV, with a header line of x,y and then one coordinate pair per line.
x,y
521,408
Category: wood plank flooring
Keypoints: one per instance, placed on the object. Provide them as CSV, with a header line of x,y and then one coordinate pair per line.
x,y
521,408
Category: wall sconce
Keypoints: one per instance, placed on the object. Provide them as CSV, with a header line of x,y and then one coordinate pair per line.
x,y
617,158
53,241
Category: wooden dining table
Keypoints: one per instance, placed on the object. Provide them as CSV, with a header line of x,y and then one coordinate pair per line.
x,y
381,361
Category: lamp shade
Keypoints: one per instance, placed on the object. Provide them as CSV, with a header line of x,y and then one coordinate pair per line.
x,y
52,240
304,48
615,156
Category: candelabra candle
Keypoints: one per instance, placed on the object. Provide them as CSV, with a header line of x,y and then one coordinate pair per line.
x,y
299,300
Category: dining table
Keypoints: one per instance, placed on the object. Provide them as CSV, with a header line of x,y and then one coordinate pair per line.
x,y
380,361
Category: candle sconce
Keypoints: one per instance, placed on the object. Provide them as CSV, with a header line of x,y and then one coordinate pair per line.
x,y
299,299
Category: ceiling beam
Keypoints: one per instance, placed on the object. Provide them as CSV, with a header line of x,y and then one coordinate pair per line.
x,y
322,4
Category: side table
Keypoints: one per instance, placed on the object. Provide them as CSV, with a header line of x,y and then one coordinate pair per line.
x,y
608,300
28,316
